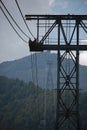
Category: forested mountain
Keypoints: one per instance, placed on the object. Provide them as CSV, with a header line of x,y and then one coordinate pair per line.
x,y
23,68
22,106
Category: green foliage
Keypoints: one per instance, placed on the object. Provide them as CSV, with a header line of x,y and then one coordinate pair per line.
x,y
83,110
16,104
22,106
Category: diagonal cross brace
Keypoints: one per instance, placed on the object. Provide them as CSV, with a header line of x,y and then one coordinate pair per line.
x,y
48,32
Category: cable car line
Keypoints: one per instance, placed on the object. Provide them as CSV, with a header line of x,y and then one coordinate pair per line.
x,y
12,25
23,18
14,20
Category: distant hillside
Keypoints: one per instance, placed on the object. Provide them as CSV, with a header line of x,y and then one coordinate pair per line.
x,y
22,108
22,69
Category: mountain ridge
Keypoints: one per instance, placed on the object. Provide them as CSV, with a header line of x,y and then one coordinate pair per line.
x,y
22,69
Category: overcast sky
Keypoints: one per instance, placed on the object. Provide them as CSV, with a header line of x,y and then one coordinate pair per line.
x,y
11,46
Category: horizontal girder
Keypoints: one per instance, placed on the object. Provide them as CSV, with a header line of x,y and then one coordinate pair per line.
x,y
55,17
41,47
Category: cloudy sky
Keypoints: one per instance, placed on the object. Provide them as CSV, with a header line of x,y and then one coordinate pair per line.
x,y
11,46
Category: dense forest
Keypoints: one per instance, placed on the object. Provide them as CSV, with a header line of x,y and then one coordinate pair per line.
x,y
22,106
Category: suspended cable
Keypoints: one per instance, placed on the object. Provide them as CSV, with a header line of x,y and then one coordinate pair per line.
x,y
12,25
24,19
36,69
35,79
32,68
14,20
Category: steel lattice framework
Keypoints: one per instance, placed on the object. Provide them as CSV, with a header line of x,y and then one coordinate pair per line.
x,y
64,33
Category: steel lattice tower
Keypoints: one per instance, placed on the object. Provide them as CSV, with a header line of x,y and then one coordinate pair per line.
x,y
69,31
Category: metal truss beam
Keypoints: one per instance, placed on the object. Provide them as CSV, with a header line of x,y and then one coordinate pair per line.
x,y
34,46
68,28
53,17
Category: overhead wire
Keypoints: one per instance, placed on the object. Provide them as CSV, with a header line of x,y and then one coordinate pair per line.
x,y
22,38
33,57
34,70
14,20
12,25
20,35
24,19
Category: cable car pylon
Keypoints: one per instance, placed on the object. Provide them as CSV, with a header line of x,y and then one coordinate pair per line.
x,y
67,47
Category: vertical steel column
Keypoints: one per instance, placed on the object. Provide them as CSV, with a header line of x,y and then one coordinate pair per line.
x,y
37,30
67,111
77,76
58,80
